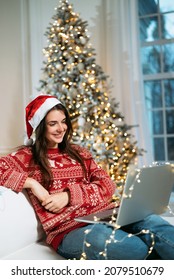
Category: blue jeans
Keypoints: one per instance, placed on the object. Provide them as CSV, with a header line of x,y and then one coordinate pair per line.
x,y
99,241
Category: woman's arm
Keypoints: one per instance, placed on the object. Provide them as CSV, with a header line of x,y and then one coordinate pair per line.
x,y
14,174
97,189
13,171
37,189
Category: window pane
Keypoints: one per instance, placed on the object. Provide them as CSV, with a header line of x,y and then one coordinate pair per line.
x,y
167,26
150,59
153,94
170,121
149,29
169,92
170,145
158,144
157,121
156,24
168,60
166,5
147,7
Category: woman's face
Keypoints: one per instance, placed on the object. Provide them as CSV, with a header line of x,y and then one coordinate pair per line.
x,y
56,127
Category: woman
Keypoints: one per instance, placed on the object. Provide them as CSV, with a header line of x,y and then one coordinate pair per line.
x,y
63,182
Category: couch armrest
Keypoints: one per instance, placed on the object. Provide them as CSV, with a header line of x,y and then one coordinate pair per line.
x,y
18,222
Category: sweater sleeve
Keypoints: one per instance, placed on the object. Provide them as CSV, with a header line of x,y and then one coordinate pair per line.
x,y
13,171
96,189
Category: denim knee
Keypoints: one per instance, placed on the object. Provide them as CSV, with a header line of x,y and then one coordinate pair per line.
x,y
105,243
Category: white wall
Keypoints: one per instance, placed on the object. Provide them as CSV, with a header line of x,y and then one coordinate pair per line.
x,y
11,74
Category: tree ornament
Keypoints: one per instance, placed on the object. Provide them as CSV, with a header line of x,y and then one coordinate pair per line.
x,y
82,40
59,66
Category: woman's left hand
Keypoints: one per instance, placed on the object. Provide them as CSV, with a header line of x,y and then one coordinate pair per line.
x,y
55,202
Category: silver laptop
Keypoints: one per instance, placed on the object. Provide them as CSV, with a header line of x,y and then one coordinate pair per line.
x,y
147,191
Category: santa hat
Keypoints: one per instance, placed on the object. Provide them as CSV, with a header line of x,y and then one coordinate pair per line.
x,y
36,110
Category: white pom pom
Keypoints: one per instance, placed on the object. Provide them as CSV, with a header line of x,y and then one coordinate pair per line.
x,y
28,142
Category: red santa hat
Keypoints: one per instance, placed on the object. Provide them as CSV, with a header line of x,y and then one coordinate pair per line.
x,y
36,110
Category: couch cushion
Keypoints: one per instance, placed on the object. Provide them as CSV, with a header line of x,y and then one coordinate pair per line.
x,y
18,222
35,251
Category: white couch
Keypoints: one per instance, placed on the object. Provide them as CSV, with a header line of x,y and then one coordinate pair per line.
x,y
21,234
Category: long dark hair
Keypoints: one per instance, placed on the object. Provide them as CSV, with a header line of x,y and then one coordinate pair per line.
x,y
40,147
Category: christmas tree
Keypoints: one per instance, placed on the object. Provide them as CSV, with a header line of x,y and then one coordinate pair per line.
x,y
71,73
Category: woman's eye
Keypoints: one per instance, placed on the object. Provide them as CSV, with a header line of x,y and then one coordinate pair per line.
x,y
51,124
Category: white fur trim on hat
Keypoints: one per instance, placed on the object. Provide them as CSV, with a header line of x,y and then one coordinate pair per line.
x,y
42,111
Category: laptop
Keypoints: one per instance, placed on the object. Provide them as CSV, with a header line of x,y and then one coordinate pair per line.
x,y
147,191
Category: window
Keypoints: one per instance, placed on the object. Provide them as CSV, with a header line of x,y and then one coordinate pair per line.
x,y
156,31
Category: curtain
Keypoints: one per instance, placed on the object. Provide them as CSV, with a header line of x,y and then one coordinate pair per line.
x,y
123,65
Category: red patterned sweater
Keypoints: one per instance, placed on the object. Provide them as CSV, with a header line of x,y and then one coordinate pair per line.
x,y
86,195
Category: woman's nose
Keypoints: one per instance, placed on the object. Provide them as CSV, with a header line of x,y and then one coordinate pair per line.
x,y
60,127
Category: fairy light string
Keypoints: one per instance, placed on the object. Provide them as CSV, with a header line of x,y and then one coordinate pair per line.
x,y
170,210
116,227
112,239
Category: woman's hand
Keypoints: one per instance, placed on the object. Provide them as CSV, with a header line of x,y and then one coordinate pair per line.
x,y
37,189
55,202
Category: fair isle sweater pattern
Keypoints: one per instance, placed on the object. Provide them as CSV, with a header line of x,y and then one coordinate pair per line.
x,y
87,195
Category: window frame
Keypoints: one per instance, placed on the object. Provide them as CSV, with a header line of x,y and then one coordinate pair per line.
x,y
162,76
